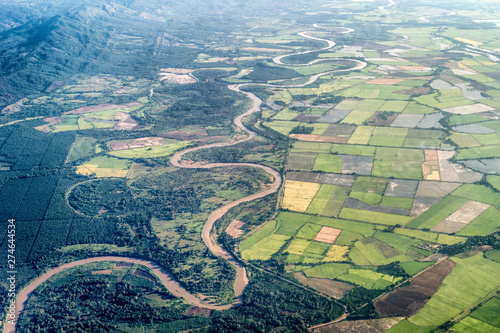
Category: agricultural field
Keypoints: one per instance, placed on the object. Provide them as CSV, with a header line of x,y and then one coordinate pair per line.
x,y
382,118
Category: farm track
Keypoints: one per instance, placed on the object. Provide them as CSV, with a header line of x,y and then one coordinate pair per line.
x,y
165,276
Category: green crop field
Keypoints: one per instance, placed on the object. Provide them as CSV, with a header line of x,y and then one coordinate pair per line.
x,y
357,117
464,140
311,147
374,217
82,148
484,224
494,181
364,229
398,163
479,193
290,223
397,202
473,325
308,231
472,278
437,213
493,255
257,236
265,248
328,271
478,152
321,199
361,135
371,253
298,246
369,198
398,242
368,279
405,327
328,163
414,267
151,152
347,149
369,185
336,201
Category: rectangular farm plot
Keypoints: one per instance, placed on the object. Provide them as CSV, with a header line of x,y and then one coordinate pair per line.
x,y
387,136
328,163
358,165
298,195
301,161
468,109
265,248
374,217
452,172
398,163
409,120
461,217
327,235
486,223
361,135
357,117
328,200
430,168
394,106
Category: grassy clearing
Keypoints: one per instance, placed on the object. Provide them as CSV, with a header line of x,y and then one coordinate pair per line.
x,y
105,166
298,195
493,255
414,267
82,148
437,213
418,234
398,163
151,152
328,163
257,236
348,149
472,278
374,217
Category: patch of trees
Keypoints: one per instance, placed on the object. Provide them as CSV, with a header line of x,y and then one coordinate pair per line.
x,y
93,304
328,99
272,305
471,243
264,72
205,103
302,129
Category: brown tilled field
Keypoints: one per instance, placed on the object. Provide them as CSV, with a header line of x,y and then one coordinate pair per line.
x,y
408,300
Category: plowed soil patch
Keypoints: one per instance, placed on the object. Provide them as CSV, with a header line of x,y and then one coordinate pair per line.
x,y
408,300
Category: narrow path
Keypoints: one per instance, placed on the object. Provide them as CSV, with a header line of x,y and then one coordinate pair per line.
x,y
164,275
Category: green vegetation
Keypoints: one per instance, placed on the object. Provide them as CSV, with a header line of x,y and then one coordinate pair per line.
x,y
472,278
328,163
